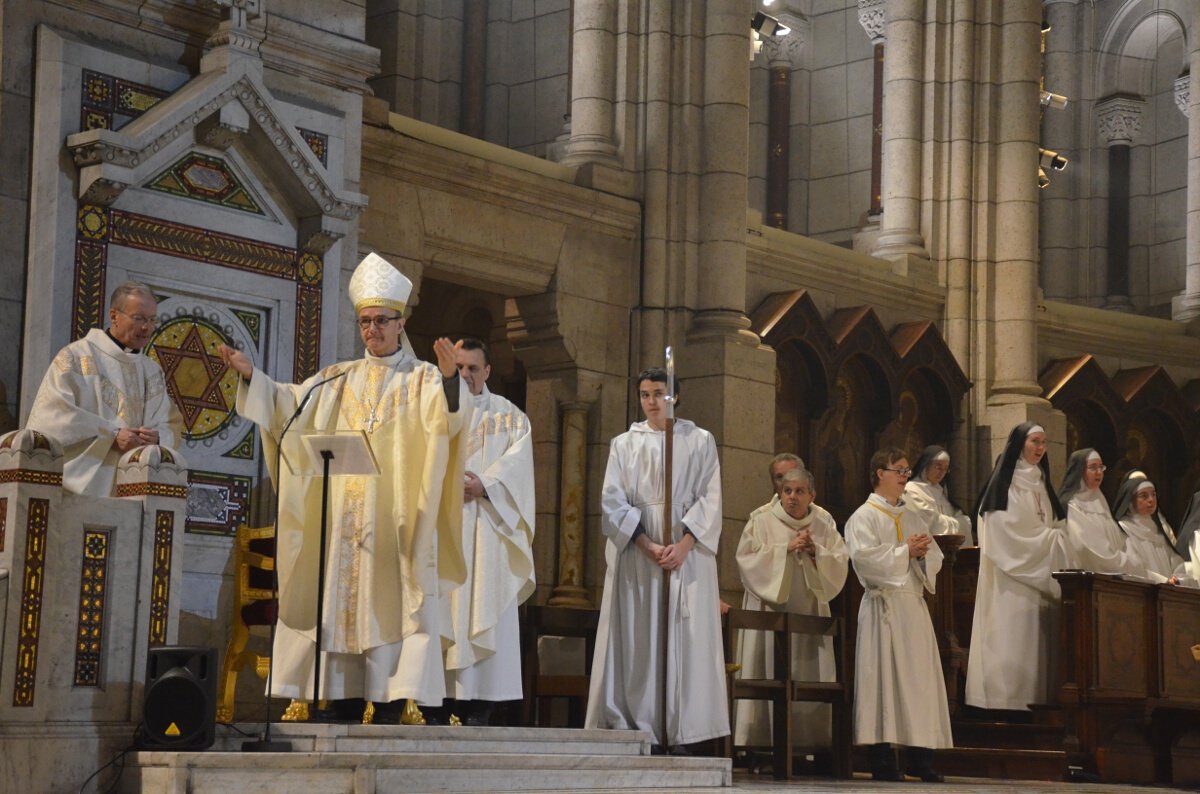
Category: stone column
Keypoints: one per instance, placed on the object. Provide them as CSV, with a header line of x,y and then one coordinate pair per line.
x,y
782,55
903,108
474,68
569,590
1120,120
1062,259
871,16
1186,307
593,83
725,141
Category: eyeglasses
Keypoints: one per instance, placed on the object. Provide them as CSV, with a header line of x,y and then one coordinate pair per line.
x,y
1100,467
138,319
379,322
901,472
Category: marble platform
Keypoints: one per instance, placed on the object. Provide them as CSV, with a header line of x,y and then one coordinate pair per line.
x,y
372,759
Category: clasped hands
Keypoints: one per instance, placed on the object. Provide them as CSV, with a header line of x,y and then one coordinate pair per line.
x,y
802,543
669,558
918,545
128,438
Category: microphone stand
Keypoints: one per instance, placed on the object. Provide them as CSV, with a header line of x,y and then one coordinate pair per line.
x,y
266,744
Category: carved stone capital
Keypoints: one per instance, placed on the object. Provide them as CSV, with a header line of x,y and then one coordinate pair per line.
x,y
786,50
872,18
1183,92
1120,119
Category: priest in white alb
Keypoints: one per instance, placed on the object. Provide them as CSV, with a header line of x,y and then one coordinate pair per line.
x,y
781,464
483,665
627,668
899,692
102,396
394,540
791,559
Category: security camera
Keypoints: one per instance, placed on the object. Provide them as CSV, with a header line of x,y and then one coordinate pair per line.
x,y
768,25
1052,160
1051,99
1043,180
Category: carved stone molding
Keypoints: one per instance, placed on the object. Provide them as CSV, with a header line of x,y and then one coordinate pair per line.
x,y
786,50
872,18
1120,119
1183,92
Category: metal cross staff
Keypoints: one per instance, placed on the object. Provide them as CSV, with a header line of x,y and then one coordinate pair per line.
x,y
668,454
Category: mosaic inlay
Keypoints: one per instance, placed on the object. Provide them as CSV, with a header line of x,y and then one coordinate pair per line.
x,y
93,585
204,178
3,519
251,320
160,583
199,382
108,102
30,476
318,142
243,451
29,629
217,503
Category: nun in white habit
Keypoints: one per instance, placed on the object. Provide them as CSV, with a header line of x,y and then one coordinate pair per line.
x,y
1150,539
928,495
1098,541
1021,543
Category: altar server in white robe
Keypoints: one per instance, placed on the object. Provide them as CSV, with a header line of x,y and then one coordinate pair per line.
x,y
1150,538
791,559
781,464
928,493
627,669
394,540
483,665
1022,541
1097,540
102,396
899,692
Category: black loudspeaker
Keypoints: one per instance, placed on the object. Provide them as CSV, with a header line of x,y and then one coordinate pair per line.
x,y
180,702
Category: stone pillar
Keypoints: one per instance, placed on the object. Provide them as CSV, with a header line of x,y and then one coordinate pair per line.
x,y
569,591
1063,261
1186,307
593,83
1120,120
903,108
1013,329
782,54
872,17
474,68
725,119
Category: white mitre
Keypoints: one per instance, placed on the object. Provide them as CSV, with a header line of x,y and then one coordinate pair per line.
x,y
376,283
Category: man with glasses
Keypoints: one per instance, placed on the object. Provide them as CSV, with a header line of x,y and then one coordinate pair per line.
x,y
899,695
101,397
395,540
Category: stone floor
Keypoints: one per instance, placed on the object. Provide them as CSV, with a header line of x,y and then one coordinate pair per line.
x,y
743,782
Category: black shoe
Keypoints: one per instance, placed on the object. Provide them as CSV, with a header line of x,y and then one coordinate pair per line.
x,y
436,715
389,713
927,775
657,749
342,710
478,713
891,775
680,749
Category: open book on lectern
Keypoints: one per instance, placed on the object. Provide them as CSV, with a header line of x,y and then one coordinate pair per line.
x,y
352,455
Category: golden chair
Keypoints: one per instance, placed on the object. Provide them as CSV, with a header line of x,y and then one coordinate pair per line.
x,y
253,605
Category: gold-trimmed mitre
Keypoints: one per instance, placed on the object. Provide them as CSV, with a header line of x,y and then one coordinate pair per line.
x,y
376,283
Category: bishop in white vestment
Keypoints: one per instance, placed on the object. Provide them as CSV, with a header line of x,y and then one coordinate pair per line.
x,y
484,661
394,540
899,692
627,668
102,396
791,559
1022,542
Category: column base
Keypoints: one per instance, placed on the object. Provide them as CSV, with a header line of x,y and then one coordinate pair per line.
x,y
1185,307
570,596
898,244
1118,303
718,323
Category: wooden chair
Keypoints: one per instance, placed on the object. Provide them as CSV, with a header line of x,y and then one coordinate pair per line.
x,y
549,621
253,605
783,690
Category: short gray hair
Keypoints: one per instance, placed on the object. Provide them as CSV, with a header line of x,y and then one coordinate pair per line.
x,y
800,473
128,289
782,457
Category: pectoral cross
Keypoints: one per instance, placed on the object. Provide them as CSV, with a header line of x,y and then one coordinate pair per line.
x,y
372,420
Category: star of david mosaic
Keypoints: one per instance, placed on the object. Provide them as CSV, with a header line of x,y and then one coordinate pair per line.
x,y
202,386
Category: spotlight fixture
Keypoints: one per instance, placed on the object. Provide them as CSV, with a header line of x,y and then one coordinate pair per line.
x,y
1051,159
768,25
1043,180
1051,99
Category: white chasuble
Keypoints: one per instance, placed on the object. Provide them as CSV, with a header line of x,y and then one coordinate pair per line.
x,y
1014,635
484,662
92,390
1151,555
393,541
899,691
627,668
781,581
931,503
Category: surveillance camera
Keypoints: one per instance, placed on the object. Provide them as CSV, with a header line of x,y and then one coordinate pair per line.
x,y
1056,101
1052,160
768,25
1043,180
